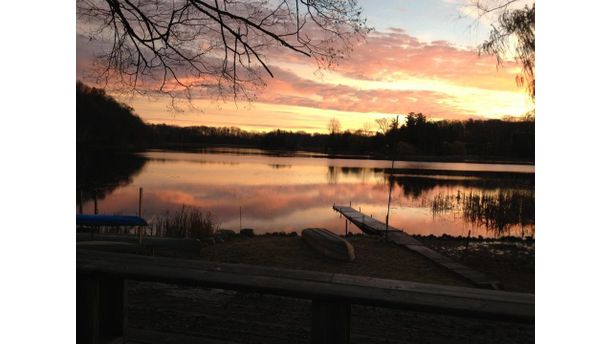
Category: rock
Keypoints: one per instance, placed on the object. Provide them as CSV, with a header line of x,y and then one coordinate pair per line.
x,y
208,241
247,232
224,234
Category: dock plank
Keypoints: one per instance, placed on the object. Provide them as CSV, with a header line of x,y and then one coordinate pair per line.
x,y
370,225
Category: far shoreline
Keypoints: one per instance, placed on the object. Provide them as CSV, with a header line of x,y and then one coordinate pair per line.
x,y
348,155
183,147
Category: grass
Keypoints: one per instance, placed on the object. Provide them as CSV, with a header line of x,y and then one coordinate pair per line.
x,y
187,222
497,211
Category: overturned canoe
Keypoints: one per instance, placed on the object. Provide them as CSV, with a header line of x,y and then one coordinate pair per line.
x,y
328,244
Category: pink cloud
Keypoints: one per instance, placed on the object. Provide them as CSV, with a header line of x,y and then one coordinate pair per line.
x,y
391,56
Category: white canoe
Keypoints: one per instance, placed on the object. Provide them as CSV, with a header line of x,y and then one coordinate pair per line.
x,y
329,244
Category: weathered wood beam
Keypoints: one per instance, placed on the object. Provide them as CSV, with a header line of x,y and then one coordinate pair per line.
x,y
468,302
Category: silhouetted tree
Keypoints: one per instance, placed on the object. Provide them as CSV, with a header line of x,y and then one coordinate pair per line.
x,y
512,23
214,45
384,124
104,122
334,126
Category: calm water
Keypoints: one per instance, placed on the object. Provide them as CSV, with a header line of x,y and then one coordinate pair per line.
x,y
292,192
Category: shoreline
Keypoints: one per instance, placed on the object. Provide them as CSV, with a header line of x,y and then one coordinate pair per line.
x,y
349,155
479,238
314,153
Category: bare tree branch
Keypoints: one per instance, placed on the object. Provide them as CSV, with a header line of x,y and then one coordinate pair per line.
x,y
218,47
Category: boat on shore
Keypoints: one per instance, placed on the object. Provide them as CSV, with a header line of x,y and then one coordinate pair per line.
x,y
329,244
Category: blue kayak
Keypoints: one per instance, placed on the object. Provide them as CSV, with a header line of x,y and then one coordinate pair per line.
x,y
109,220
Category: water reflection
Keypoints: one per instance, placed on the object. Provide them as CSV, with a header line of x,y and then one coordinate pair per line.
x,y
99,173
415,185
497,211
280,193
359,173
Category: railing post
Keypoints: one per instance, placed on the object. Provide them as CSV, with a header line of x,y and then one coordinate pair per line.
x,y
330,323
101,311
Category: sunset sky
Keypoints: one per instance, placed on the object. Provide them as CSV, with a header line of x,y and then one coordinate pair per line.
x,y
421,57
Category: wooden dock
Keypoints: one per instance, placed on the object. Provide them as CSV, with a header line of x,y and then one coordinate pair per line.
x,y
370,225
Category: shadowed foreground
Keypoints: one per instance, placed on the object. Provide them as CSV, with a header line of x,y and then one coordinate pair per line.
x,y
192,315
373,258
166,313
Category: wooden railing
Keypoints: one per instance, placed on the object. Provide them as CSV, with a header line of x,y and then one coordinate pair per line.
x,y
101,293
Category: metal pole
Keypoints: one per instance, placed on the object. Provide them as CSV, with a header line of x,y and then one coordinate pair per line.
x,y
345,227
140,215
389,201
390,184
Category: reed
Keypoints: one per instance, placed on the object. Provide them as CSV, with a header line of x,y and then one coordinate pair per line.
x,y
498,211
187,222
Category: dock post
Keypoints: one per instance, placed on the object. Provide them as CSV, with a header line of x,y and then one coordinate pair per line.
x,y
345,227
330,323
467,241
386,226
140,202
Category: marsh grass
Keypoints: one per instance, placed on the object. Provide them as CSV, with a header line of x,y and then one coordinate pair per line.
x,y
186,222
497,211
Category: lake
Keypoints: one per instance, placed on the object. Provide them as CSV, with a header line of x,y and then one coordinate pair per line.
x,y
273,192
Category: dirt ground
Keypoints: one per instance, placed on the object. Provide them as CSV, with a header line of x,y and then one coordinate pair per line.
x,y
510,261
163,313
373,258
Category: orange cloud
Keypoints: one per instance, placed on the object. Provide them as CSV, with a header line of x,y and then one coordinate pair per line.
x,y
290,89
392,73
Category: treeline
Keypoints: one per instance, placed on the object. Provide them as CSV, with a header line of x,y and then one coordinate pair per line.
x,y
103,122
482,138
